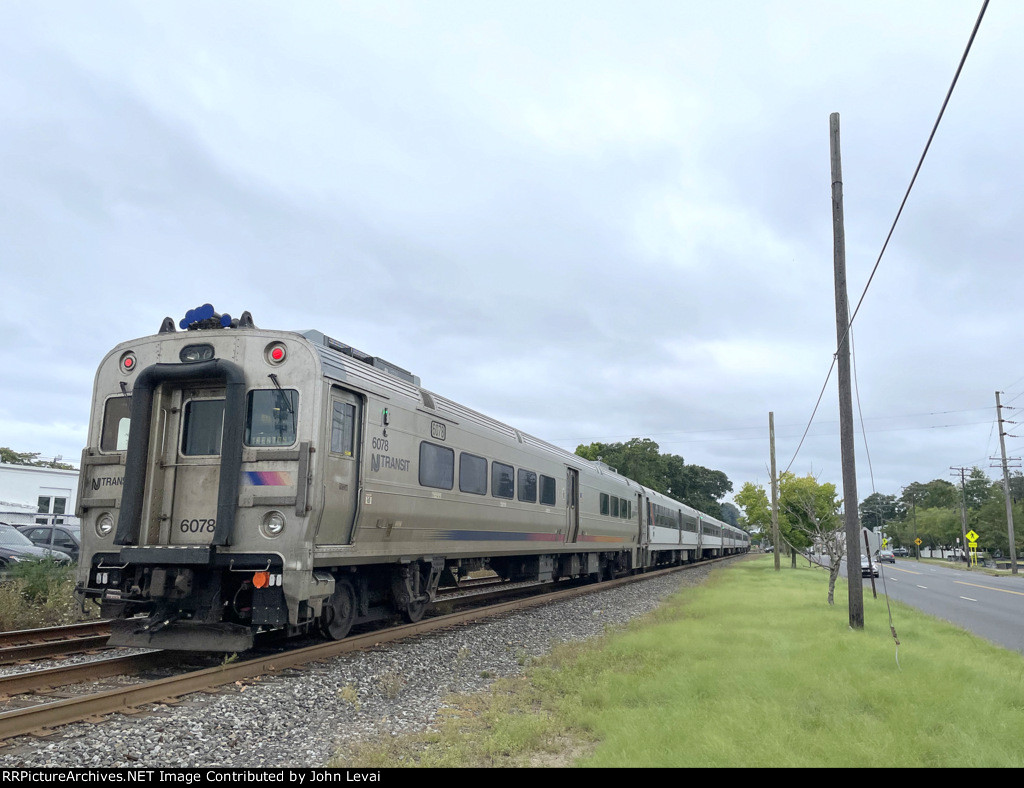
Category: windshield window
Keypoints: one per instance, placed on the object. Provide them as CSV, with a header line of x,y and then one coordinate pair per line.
x,y
11,536
204,425
271,416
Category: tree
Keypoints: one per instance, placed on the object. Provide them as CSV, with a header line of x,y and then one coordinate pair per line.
x,y
937,493
757,513
31,458
641,460
878,509
730,514
978,489
809,515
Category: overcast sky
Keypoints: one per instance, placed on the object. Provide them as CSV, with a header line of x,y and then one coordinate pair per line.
x,y
591,220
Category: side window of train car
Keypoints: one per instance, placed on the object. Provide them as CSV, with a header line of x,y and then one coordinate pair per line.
x,y
437,466
604,503
615,506
472,474
547,490
271,416
117,417
202,427
343,428
502,480
527,486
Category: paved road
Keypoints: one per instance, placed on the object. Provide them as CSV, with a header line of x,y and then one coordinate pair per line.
x,y
991,607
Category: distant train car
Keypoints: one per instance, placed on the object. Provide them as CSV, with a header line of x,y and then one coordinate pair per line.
x,y
239,480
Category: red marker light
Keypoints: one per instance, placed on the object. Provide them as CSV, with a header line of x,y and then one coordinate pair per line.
x,y
277,353
129,362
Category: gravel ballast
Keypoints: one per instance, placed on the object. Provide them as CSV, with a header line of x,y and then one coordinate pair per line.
x,y
301,717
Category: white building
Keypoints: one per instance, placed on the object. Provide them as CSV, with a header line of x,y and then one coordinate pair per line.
x,y
29,494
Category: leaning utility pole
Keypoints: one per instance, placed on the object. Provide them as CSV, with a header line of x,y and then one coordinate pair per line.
x,y
775,493
1006,487
856,589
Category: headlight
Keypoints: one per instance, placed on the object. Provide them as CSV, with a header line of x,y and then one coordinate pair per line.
x,y
273,524
104,524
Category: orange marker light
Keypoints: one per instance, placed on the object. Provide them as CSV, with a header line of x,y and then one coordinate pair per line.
x,y
261,579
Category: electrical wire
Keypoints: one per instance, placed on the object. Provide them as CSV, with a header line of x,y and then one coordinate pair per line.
x,y
899,212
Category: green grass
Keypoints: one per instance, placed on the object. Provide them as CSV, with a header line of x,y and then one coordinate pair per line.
x,y
38,594
751,669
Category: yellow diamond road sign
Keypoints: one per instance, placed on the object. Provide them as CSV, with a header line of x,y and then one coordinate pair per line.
x,y
917,542
971,536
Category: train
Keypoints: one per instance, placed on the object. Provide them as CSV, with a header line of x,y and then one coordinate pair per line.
x,y
240,480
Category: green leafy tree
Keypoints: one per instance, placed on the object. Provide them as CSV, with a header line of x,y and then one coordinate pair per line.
x,y
938,527
641,460
978,489
757,512
31,458
808,515
877,510
730,514
935,494
989,521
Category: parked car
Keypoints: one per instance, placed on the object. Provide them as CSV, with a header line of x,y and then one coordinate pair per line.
x,y
15,547
867,569
887,555
65,538
902,552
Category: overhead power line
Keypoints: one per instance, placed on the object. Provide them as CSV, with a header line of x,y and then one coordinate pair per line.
x,y
899,212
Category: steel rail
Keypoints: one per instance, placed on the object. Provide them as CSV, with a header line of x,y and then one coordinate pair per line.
x,y
36,680
29,644
46,716
19,636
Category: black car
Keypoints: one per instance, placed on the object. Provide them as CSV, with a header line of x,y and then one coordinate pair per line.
x,y
62,537
902,552
15,547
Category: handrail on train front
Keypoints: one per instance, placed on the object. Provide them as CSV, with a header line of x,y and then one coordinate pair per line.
x,y
137,460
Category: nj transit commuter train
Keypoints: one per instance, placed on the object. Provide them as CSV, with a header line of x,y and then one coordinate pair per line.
x,y
240,480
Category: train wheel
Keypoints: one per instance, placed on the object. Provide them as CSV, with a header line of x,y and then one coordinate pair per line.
x,y
414,611
342,610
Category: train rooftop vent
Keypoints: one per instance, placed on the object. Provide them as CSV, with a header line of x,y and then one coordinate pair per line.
x,y
374,361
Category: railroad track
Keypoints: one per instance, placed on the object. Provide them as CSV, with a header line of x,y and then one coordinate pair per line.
x,y
31,644
43,717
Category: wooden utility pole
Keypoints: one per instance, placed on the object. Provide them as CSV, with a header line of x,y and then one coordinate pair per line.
x,y
1006,487
963,508
851,520
775,493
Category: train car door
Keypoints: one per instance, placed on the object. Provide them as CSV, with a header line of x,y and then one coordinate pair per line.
x,y
572,499
192,477
341,468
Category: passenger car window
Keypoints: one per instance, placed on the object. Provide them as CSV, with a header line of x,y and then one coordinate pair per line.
x,y
547,490
472,474
527,486
437,466
502,480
